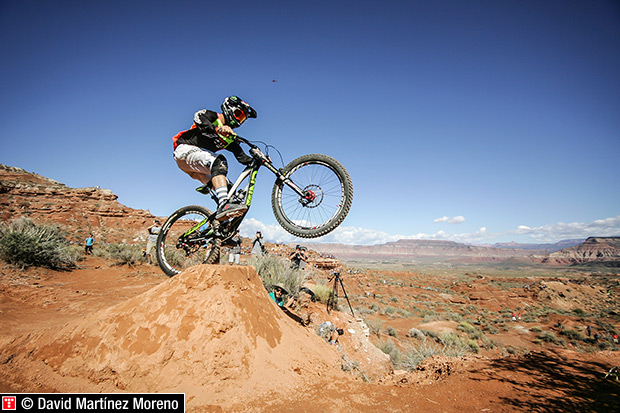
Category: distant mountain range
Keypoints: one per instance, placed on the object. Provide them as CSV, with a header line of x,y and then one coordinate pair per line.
x,y
567,243
427,250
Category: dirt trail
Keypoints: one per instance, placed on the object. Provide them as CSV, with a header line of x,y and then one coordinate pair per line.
x,y
213,333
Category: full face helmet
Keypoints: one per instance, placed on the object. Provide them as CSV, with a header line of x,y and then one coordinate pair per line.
x,y
236,111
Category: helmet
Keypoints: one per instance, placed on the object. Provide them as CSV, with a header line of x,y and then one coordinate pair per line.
x,y
236,111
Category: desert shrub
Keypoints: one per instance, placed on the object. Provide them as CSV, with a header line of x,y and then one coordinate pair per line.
x,y
465,327
473,332
535,330
375,326
404,313
572,334
579,312
388,310
277,270
391,331
415,333
550,337
416,355
389,348
454,344
429,333
323,292
26,244
121,254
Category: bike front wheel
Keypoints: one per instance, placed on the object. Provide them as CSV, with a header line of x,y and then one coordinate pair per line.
x,y
183,242
327,196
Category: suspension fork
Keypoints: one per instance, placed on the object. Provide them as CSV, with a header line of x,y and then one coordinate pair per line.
x,y
280,177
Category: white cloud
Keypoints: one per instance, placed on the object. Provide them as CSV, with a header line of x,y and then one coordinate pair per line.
x,y
363,236
459,219
573,230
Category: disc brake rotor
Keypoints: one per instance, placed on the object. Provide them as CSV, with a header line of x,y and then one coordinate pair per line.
x,y
313,196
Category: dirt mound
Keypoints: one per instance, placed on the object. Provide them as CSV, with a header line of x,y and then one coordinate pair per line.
x,y
211,332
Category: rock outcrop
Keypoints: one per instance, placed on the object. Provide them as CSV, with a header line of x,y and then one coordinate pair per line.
x,y
594,249
79,210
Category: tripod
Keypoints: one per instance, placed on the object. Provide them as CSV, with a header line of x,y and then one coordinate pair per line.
x,y
333,297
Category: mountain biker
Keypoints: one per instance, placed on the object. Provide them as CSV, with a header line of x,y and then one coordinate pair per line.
x,y
194,150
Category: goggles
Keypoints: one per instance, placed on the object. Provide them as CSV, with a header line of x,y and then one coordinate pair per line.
x,y
239,115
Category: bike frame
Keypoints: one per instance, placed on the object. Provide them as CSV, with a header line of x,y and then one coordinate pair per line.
x,y
250,171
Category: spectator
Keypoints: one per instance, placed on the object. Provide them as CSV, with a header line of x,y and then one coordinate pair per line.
x,y
235,252
90,241
298,258
151,240
277,295
258,246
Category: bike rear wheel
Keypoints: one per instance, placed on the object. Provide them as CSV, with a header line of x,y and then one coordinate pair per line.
x,y
179,248
328,194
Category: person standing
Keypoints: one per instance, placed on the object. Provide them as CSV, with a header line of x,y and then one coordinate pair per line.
x,y
298,258
258,245
151,240
90,241
235,252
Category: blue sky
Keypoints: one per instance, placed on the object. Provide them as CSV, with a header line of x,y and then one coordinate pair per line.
x,y
472,121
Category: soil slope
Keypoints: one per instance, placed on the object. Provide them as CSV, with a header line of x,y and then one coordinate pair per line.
x,y
211,333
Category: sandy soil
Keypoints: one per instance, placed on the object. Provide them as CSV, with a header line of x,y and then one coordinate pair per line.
x,y
213,333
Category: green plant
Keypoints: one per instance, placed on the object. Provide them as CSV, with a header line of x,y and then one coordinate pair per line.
x,y
550,337
323,292
579,312
415,333
391,331
277,270
375,326
389,348
572,334
26,244
121,254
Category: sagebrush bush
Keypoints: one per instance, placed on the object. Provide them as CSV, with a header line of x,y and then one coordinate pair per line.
x,y
375,326
322,292
26,244
389,348
277,270
121,254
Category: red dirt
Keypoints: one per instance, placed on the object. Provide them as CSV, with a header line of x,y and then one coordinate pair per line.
x,y
213,333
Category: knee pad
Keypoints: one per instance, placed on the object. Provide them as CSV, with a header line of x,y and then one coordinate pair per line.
x,y
220,166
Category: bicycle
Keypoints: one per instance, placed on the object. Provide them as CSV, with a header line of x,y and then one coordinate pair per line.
x,y
311,196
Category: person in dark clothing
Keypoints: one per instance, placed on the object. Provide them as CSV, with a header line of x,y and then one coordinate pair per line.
x,y
298,258
195,150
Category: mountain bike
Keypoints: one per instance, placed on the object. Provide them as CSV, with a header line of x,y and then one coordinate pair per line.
x,y
311,196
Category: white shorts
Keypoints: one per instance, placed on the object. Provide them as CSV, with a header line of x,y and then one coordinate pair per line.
x,y
195,161
234,257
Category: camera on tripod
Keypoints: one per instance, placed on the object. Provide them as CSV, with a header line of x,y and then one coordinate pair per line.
x,y
332,302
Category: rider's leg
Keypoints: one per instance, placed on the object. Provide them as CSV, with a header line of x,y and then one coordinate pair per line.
x,y
194,161
220,185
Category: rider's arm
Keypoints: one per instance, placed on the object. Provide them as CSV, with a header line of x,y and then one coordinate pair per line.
x,y
204,120
240,155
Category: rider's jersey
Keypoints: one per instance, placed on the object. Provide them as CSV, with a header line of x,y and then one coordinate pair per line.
x,y
203,135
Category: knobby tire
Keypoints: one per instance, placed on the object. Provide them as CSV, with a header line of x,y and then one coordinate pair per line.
x,y
332,195
172,259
